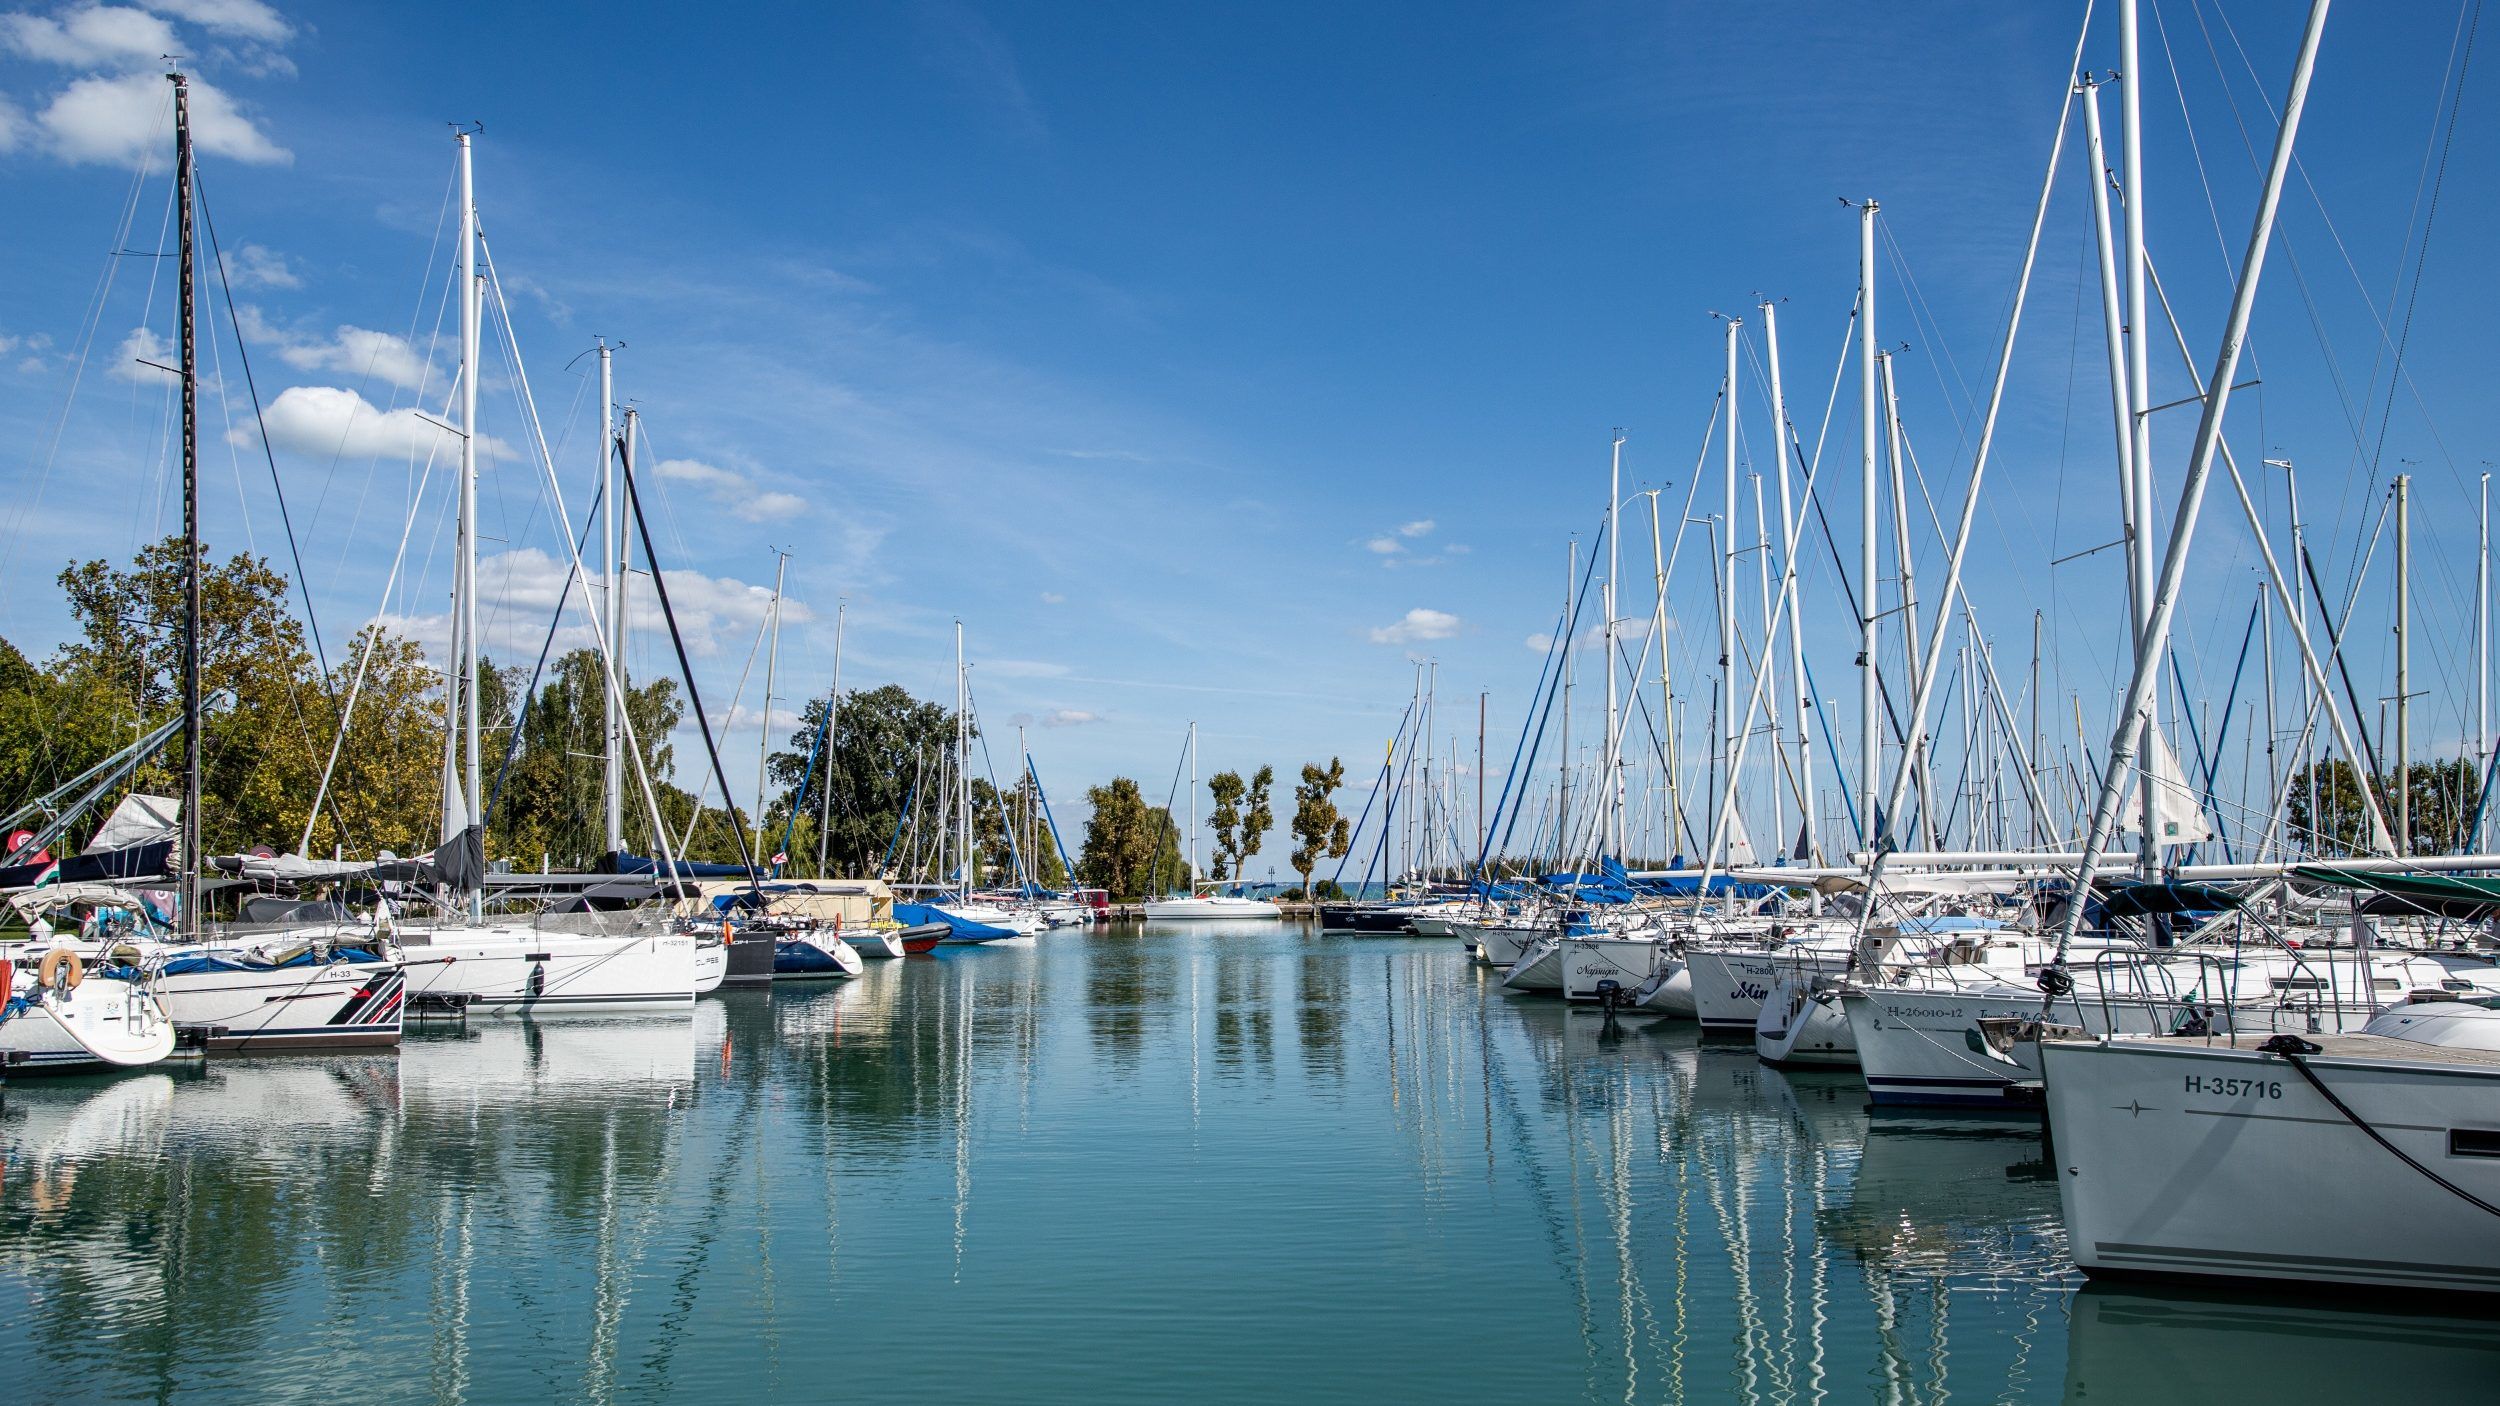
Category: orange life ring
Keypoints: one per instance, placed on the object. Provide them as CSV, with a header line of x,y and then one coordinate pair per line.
x,y
49,974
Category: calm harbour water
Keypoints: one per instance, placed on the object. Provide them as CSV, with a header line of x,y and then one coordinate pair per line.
x,y
1211,1164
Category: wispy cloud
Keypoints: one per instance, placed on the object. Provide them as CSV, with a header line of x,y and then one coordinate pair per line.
x,y
732,490
976,57
1420,527
1069,717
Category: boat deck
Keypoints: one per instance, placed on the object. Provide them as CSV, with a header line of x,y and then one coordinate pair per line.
x,y
2378,1049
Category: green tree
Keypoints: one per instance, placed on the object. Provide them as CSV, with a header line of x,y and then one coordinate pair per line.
x,y
1131,849
884,741
553,802
2441,795
262,754
1227,789
1241,819
1323,832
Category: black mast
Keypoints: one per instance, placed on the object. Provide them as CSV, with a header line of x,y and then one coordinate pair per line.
x,y
190,855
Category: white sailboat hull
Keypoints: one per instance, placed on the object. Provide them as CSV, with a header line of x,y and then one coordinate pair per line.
x,y
1589,961
103,1024
1168,910
2181,1158
1540,968
522,971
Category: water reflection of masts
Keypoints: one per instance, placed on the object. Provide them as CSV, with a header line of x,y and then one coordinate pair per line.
x,y
963,1107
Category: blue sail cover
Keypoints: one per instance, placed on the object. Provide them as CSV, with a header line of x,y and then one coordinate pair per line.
x,y
1719,886
913,915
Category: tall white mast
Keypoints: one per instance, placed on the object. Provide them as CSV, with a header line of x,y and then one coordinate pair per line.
x,y
833,714
1192,885
1796,632
2482,656
1763,665
1730,721
1915,740
2404,664
1666,681
1613,797
764,727
612,745
963,767
460,715
1562,810
2134,709
1870,743
2139,391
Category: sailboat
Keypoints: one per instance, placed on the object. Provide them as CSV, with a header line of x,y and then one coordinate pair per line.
x,y
1199,904
576,962
968,918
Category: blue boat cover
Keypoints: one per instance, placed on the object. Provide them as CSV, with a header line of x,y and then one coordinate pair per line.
x,y
912,915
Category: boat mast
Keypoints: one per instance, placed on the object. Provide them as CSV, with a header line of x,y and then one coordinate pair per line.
x,y
2482,653
963,768
189,858
1730,722
1796,630
2135,707
1768,694
1613,796
612,769
1666,680
1870,740
471,314
1571,623
764,727
2139,396
2404,663
1916,738
1192,876
833,710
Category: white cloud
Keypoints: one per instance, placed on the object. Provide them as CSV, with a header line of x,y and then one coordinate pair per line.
x,y
746,719
1539,643
732,490
1385,546
1069,717
325,421
1417,528
360,352
244,19
1048,597
519,590
12,125
91,36
141,345
252,266
122,121
1417,624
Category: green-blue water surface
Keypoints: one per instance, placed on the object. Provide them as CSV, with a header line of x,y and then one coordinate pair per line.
x,y
1212,1164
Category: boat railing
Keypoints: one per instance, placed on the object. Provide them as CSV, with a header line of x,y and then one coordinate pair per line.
x,y
625,922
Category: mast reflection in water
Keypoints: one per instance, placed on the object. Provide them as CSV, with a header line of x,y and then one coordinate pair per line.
x,y
1207,1164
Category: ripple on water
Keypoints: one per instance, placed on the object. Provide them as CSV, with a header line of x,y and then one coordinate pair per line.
x,y
1220,1164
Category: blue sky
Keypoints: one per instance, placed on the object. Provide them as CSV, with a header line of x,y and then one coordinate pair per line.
x,y
1216,362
